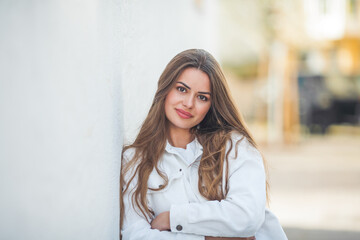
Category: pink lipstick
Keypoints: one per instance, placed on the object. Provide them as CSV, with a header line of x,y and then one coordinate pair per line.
x,y
183,114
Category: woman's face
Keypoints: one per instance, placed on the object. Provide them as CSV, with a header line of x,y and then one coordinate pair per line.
x,y
189,100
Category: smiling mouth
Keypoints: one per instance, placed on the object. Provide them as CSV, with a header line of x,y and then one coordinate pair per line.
x,y
183,114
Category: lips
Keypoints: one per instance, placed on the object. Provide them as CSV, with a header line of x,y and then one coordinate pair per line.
x,y
183,114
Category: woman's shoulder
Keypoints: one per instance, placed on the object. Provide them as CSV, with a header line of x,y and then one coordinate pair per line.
x,y
127,166
238,138
239,143
128,153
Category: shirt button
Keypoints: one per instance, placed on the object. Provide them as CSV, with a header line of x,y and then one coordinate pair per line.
x,y
180,169
179,227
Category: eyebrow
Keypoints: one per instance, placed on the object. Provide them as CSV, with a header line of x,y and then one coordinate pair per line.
x,y
205,93
190,88
185,85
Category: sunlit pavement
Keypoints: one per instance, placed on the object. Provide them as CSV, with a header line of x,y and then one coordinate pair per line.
x,y
315,187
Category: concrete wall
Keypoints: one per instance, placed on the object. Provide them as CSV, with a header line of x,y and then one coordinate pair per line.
x,y
60,105
158,31
73,76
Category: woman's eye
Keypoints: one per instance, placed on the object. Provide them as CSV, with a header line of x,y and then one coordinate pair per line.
x,y
181,89
203,98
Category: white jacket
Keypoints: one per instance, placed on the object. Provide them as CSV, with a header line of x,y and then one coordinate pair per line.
x,y
241,214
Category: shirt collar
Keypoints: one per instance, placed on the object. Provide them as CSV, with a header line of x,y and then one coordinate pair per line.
x,y
198,151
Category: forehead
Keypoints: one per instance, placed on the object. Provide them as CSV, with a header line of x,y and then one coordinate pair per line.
x,y
195,79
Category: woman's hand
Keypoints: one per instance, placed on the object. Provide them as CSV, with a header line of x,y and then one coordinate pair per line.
x,y
229,238
161,222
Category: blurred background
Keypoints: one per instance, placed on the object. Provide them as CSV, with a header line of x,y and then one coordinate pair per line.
x,y
77,79
294,71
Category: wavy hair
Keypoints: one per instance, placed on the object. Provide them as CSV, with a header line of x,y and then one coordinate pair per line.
x,y
212,133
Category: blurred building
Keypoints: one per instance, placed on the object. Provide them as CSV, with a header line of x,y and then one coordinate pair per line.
x,y
297,60
329,78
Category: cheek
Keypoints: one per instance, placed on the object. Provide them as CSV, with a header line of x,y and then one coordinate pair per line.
x,y
167,105
170,98
169,102
204,110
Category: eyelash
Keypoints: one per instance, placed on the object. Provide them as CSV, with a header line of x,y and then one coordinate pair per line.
x,y
183,90
204,98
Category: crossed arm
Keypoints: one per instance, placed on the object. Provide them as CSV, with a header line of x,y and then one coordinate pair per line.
x,y
240,214
162,223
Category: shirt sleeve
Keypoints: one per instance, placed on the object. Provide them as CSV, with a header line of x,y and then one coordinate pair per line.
x,y
241,213
136,227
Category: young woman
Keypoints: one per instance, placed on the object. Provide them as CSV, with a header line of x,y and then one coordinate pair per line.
x,y
193,171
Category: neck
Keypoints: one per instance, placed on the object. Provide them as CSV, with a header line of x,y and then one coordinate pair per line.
x,y
180,137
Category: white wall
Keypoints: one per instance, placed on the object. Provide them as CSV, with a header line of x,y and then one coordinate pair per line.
x,y
73,76
60,120
153,33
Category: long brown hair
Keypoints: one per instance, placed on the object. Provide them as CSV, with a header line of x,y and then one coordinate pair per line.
x,y
213,133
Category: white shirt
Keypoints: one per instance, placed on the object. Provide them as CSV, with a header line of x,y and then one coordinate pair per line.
x,y
241,214
188,153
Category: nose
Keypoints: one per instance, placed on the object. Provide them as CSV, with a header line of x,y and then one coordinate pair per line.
x,y
188,101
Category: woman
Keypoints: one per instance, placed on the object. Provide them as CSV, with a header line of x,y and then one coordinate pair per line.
x,y
193,171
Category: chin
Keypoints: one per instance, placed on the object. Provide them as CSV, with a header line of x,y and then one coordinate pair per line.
x,y
184,126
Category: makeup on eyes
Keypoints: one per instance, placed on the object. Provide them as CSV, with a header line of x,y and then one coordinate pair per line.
x,y
205,98
186,86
